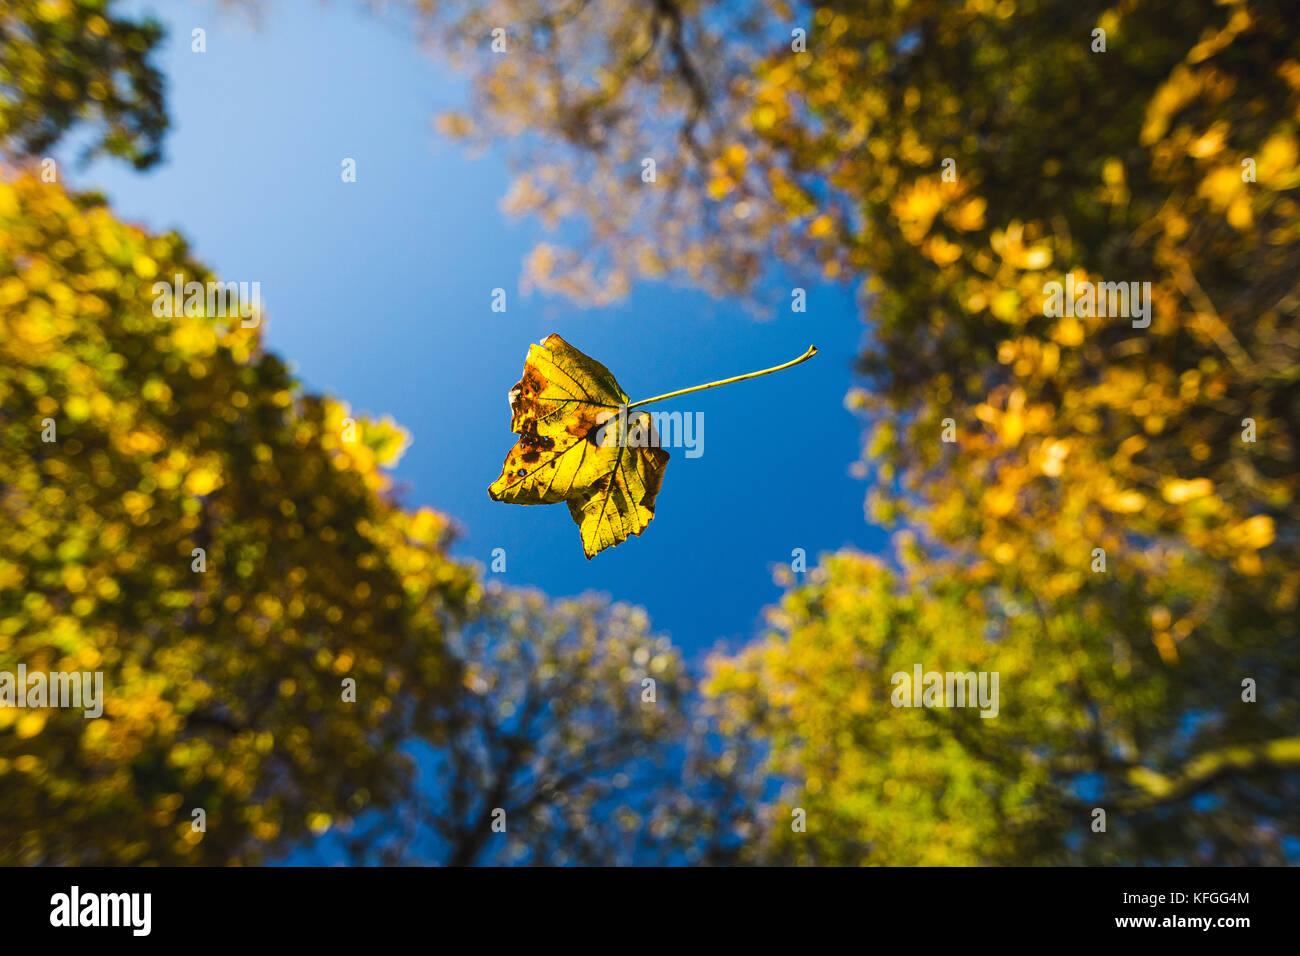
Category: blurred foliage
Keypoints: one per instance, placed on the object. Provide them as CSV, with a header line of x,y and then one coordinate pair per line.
x,y
576,723
1090,715
65,62
1116,166
1120,688
1071,433
224,669
224,673
223,686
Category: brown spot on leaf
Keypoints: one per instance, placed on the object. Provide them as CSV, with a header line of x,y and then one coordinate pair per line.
x,y
532,383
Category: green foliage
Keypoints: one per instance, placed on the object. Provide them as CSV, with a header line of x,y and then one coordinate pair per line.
x,y
952,161
224,548
223,686
573,734
64,62
1089,715
1120,686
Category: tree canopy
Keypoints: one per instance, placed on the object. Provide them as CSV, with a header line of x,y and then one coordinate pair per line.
x,y
1096,506
575,741
181,515
66,63
1112,498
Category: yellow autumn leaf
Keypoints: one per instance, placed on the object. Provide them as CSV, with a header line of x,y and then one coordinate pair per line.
x,y
575,446
1222,185
30,724
970,215
720,186
1279,162
999,501
1011,428
941,251
736,154
1252,534
1176,492
1127,502
203,481
1039,257
580,442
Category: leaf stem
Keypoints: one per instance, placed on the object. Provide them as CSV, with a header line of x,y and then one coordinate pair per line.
x,y
812,350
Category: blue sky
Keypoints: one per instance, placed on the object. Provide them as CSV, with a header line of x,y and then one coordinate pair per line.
x,y
379,292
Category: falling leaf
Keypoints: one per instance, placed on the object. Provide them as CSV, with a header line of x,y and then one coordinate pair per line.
x,y
572,447
581,442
